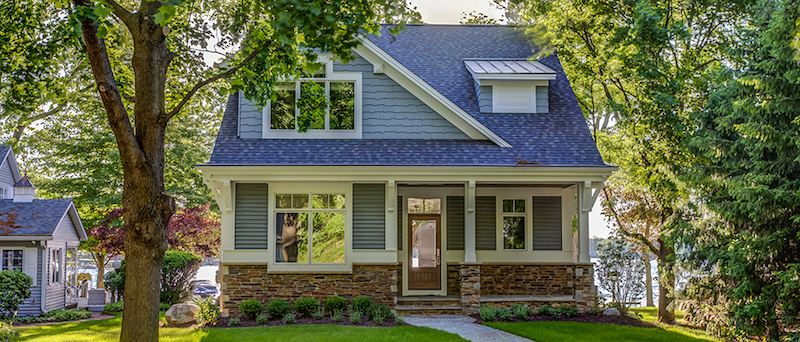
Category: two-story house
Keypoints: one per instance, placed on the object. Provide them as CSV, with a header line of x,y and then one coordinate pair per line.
x,y
447,173
39,237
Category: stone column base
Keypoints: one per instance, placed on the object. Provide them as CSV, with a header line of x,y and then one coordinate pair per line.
x,y
470,287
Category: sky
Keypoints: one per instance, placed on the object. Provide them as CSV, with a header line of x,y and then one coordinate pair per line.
x,y
450,12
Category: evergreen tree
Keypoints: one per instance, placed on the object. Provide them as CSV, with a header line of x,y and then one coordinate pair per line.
x,y
747,177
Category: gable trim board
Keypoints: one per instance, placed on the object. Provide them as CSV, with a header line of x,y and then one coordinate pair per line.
x,y
426,93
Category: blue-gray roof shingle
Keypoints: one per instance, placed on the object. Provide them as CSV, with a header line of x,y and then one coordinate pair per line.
x,y
40,217
436,54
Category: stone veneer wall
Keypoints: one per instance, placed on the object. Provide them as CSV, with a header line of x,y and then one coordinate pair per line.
x,y
540,280
453,280
242,282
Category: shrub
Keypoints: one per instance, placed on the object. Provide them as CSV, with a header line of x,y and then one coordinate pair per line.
x,y
549,311
488,313
337,316
398,320
262,319
503,314
278,308
568,311
318,314
335,303
520,311
361,304
234,321
61,315
16,289
377,309
306,306
25,320
379,319
113,307
251,308
7,333
289,318
208,312
164,306
114,281
355,317
177,271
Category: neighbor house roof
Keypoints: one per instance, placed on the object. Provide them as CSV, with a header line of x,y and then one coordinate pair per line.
x,y
38,218
437,54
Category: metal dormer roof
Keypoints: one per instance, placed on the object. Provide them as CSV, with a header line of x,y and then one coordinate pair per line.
x,y
508,69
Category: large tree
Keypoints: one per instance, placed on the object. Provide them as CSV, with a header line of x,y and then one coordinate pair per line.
x,y
259,42
747,177
638,68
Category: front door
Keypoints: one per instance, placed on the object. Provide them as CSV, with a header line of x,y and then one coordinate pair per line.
x,y
424,258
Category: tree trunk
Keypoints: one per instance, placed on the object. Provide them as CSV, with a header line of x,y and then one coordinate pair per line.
x,y
648,278
146,206
666,283
100,260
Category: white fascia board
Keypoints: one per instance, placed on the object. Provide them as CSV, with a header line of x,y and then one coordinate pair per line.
x,y
425,92
12,163
76,222
406,174
515,77
27,237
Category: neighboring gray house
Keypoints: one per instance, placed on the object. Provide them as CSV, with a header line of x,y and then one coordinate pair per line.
x,y
40,238
446,174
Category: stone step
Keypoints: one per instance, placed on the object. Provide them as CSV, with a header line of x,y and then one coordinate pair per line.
x,y
429,301
428,310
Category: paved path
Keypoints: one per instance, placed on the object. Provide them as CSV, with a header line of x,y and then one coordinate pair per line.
x,y
464,326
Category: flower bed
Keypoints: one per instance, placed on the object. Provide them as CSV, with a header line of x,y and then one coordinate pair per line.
x,y
223,322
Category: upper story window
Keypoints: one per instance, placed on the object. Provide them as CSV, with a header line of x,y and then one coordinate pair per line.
x,y
342,118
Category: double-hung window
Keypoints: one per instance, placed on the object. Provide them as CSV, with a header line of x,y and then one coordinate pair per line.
x,y
55,266
513,224
12,260
310,228
342,118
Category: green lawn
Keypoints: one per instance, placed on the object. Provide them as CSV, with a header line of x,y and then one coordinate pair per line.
x,y
650,314
108,330
574,331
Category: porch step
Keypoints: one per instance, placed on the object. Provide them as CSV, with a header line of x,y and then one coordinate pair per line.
x,y
496,299
429,305
428,310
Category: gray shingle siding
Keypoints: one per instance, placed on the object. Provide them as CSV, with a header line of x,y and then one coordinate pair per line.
x,y
250,120
485,99
541,100
251,216
547,223
369,216
485,223
455,223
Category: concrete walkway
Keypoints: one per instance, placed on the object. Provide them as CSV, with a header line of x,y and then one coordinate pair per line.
x,y
464,326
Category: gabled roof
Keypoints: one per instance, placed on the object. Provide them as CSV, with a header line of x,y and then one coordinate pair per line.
x,y
40,218
436,54
25,182
7,153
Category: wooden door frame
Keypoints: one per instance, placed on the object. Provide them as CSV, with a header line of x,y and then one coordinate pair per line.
x,y
409,254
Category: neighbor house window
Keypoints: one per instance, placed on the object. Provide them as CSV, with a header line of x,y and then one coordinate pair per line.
x,y
55,266
513,224
310,228
12,260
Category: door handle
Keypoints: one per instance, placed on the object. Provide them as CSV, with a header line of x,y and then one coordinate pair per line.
x,y
438,257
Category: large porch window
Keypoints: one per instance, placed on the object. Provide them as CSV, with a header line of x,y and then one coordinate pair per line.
x,y
310,228
514,224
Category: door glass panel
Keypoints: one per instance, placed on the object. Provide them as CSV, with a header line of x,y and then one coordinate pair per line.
x,y
423,243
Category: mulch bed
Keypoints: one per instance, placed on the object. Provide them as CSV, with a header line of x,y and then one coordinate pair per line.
x,y
95,316
222,322
583,318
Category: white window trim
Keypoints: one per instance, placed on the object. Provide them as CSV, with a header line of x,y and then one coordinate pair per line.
x,y
528,215
2,261
330,75
60,266
309,188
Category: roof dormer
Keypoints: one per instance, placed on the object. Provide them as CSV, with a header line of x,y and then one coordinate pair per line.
x,y
511,85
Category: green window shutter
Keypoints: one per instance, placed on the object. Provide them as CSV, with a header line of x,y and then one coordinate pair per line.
x,y
369,216
547,223
485,223
455,223
250,231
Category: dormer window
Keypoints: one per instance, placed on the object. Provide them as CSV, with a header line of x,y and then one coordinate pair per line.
x,y
511,86
342,119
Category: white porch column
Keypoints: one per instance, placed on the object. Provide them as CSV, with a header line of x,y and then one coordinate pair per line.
x,y
585,205
391,216
469,222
